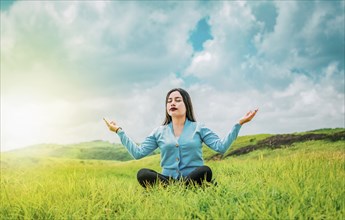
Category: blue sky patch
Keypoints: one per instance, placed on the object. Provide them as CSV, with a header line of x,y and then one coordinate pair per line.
x,y
200,34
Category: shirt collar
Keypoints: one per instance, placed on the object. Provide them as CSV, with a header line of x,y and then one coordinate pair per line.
x,y
187,122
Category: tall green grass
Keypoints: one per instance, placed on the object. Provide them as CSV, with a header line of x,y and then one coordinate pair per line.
x,y
306,181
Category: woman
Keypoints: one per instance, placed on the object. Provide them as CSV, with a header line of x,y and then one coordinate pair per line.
x,y
180,141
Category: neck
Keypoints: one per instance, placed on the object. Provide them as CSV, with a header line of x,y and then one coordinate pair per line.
x,y
178,121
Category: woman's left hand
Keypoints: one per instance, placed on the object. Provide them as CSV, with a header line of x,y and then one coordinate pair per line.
x,y
248,117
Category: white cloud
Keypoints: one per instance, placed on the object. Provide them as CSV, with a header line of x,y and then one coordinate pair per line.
x,y
232,26
289,101
92,41
67,65
303,37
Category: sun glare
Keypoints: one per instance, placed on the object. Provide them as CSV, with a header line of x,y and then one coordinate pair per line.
x,y
22,123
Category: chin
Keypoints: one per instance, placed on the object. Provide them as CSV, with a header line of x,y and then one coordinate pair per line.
x,y
173,114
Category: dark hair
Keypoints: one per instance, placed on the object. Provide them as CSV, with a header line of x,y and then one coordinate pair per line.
x,y
187,102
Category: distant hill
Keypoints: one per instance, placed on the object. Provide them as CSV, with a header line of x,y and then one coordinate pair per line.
x,y
289,140
247,144
93,150
104,150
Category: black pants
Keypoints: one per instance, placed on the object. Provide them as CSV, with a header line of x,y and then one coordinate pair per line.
x,y
148,177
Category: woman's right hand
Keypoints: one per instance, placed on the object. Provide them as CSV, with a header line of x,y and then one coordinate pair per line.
x,y
111,125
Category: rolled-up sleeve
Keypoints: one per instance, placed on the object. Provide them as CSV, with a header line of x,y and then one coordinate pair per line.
x,y
138,151
213,141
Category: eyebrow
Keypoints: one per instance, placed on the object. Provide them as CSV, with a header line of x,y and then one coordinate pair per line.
x,y
175,98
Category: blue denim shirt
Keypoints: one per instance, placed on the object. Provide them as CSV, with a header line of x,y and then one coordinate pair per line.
x,y
181,156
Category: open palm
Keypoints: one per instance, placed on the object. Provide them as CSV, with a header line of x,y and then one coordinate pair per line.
x,y
248,117
111,125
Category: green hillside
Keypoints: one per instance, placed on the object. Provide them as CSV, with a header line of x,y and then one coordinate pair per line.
x,y
103,150
94,150
286,176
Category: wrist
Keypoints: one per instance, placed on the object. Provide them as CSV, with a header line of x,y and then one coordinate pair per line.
x,y
117,129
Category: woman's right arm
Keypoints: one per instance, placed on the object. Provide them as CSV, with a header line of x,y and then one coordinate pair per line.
x,y
137,151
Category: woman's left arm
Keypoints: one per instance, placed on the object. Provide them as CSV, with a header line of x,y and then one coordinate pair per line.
x,y
212,140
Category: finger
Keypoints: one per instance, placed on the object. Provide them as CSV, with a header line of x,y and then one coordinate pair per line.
x,y
249,118
252,115
106,121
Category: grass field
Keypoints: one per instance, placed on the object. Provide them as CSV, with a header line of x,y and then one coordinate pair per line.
x,y
302,181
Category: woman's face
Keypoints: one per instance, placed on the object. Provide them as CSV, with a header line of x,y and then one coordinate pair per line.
x,y
175,105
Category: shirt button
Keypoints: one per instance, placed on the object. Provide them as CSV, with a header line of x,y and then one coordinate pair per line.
x,y
177,159
176,145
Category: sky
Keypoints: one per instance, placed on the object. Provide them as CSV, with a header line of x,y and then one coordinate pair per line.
x,y
67,64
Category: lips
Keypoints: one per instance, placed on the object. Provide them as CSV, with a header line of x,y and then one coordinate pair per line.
x,y
173,109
